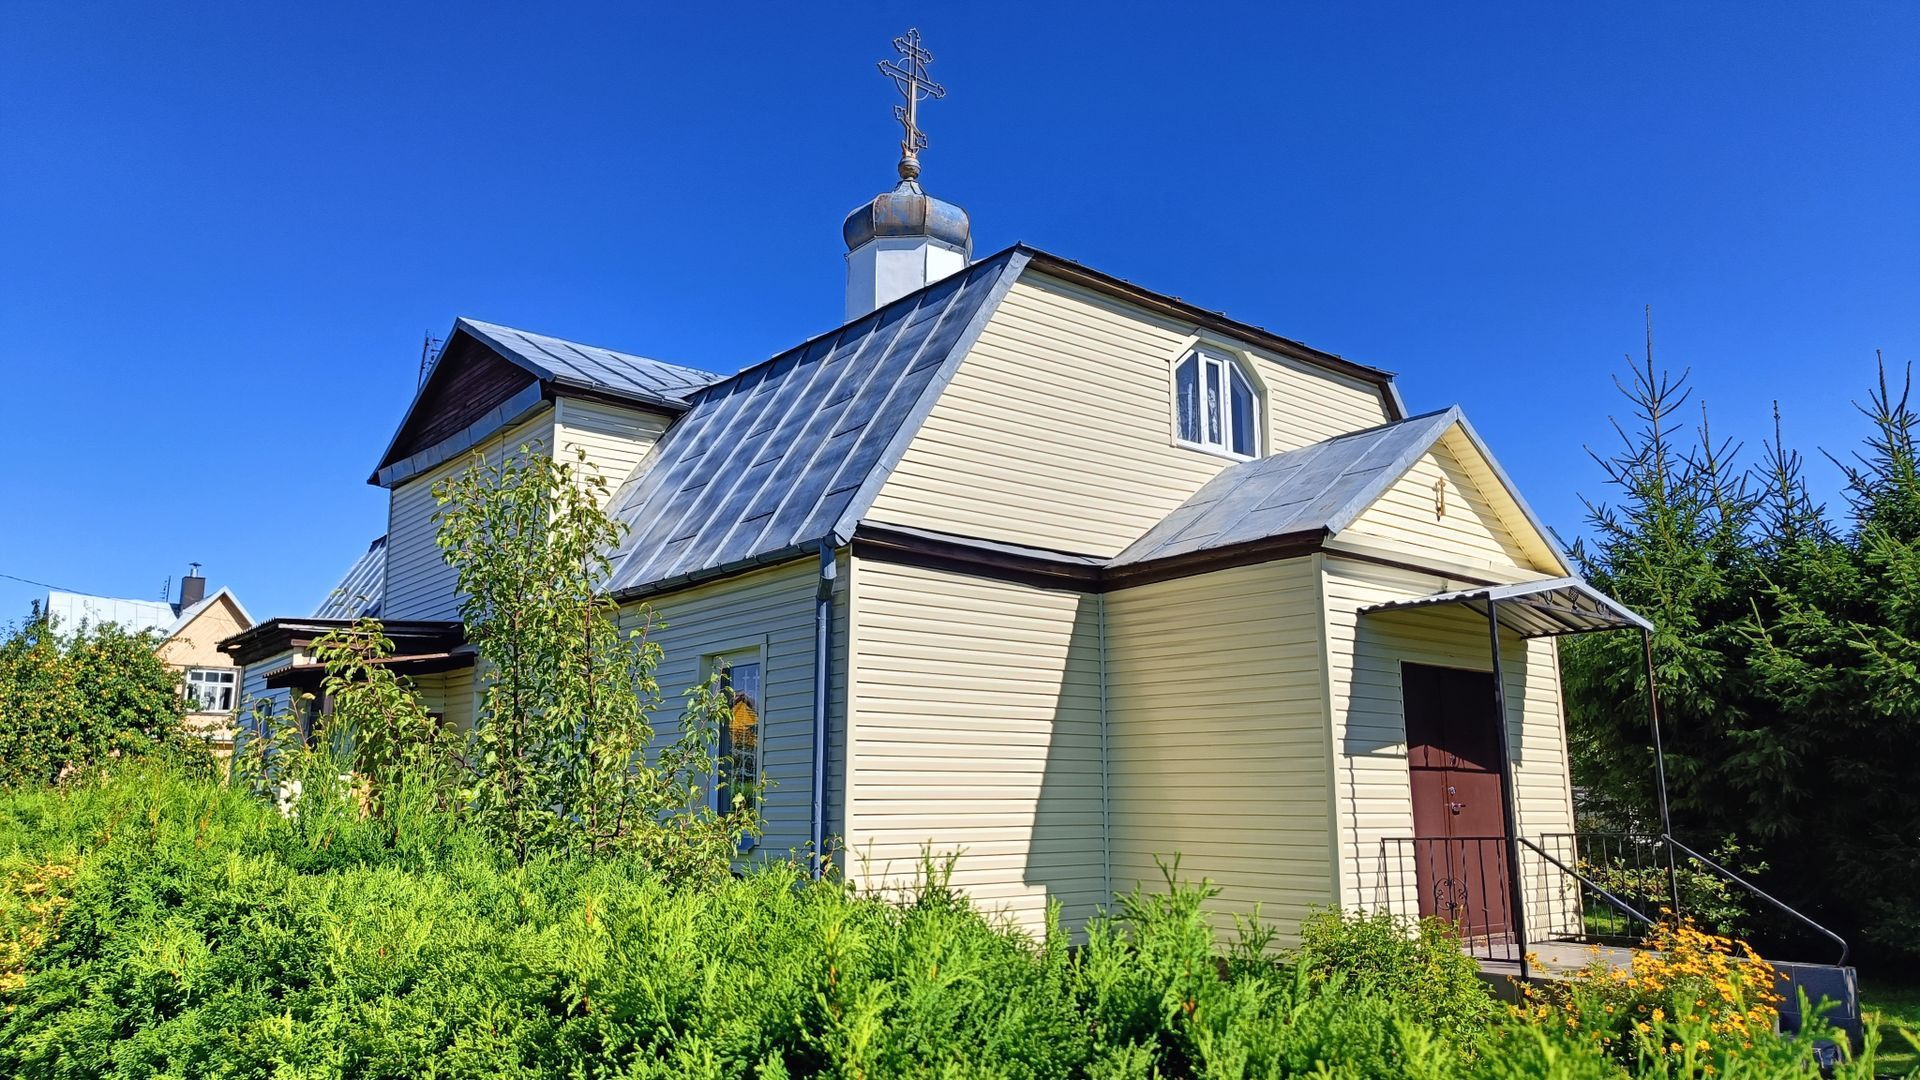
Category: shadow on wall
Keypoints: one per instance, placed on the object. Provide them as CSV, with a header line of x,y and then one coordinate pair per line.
x,y
1375,787
1066,853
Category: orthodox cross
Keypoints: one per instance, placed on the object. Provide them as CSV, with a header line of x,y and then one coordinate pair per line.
x,y
909,73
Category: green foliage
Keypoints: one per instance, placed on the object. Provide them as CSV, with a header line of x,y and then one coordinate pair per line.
x,y
560,758
1417,964
191,930
69,702
560,750
1787,658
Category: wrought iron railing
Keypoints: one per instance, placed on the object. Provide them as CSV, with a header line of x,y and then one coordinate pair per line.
x,y
1645,869
1464,880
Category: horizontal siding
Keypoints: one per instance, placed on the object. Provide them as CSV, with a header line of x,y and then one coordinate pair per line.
x,y
614,439
975,728
1056,430
1218,738
771,609
255,696
449,693
1369,722
1449,509
420,584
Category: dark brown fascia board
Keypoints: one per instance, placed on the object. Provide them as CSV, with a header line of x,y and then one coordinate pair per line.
x,y
1173,307
1072,573
960,556
278,635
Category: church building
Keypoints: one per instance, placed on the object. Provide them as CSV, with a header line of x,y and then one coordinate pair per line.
x,y
1032,564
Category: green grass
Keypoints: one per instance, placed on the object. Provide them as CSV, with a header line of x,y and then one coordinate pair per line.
x,y
1897,1006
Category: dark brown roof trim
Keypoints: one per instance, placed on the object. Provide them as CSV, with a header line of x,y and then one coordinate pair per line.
x,y
1052,570
279,635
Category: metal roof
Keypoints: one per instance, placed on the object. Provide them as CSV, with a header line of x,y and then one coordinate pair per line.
x,y
68,610
1316,489
360,590
1547,608
767,464
570,363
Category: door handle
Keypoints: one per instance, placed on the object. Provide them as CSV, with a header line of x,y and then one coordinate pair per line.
x,y
1456,807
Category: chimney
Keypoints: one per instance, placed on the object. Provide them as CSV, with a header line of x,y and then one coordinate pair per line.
x,y
905,239
193,587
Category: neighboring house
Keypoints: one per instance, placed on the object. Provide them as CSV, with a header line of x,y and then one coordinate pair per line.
x,y
188,634
1030,563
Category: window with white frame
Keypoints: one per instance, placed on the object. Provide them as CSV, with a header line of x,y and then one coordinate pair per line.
x,y
1214,404
740,678
210,689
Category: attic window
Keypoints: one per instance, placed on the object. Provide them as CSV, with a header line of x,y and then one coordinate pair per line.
x,y
1215,406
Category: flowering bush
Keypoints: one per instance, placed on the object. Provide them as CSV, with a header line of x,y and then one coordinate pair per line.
x,y
1687,993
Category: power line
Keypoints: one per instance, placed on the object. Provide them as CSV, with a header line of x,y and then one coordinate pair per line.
x,y
42,584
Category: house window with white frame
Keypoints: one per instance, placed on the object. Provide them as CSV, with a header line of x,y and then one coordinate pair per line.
x,y
1215,406
210,689
740,679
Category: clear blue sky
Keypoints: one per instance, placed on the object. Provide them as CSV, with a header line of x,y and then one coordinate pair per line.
x,y
225,226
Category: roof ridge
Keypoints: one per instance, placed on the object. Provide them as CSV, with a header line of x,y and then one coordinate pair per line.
x,y
487,325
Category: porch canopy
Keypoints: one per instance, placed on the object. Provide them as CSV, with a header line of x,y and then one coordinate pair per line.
x,y
1549,608
1532,609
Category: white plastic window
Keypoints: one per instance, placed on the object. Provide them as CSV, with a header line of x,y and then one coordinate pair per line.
x,y
210,690
1215,407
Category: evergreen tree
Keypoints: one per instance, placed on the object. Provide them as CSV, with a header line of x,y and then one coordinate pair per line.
x,y
1787,658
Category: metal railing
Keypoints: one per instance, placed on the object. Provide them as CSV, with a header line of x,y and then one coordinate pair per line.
x,y
1645,869
1464,880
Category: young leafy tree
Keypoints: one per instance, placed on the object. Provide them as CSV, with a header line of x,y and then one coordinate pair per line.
x,y
559,755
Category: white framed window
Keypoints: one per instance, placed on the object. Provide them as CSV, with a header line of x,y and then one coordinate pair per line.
x,y
742,677
1215,406
211,689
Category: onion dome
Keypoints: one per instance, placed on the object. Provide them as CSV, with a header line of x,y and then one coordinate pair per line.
x,y
909,211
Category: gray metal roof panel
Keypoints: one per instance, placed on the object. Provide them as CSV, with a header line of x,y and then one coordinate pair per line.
x,y
360,591
591,366
793,450
1316,488
1566,605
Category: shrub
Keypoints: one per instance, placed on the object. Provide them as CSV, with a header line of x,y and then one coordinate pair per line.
x,y
186,929
1416,963
1687,992
69,702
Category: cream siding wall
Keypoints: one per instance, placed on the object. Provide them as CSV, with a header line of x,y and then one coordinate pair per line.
x,y
1369,723
1218,738
420,584
614,438
771,609
1057,430
975,727
1481,530
451,694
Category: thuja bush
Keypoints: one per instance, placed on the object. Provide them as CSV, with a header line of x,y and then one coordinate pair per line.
x,y
174,927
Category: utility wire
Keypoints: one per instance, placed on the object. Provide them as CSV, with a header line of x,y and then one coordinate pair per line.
x,y
42,584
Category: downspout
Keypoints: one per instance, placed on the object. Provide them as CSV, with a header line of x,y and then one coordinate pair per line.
x,y
1509,793
822,695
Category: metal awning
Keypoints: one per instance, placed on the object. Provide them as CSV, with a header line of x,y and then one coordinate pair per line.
x,y
1547,608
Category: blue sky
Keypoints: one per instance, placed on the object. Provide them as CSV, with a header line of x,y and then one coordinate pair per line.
x,y
224,227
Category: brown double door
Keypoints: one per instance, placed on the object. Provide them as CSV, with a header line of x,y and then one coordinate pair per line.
x,y
1459,818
